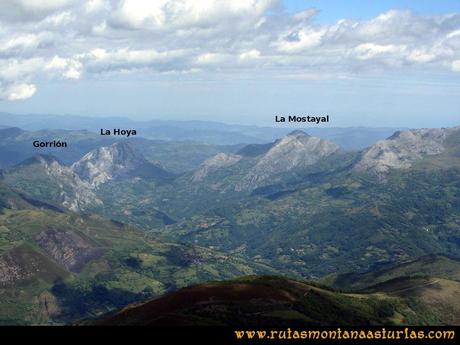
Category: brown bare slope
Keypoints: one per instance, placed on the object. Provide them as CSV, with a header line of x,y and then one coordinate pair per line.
x,y
281,302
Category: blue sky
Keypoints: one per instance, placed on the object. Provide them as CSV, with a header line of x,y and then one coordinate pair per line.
x,y
333,10
382,66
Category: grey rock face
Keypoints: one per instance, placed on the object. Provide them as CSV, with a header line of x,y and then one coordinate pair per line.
x,y
119,160
11,270
22,264
68,248
107,163
295,151
76,194
402,149
221,160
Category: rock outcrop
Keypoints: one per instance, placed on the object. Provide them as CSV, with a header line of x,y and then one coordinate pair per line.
x,y
23,264
68,248
119,160
402,149
297,150
221,160
74,193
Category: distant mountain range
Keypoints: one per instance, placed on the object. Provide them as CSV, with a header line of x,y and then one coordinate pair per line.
x,y
209,132
104,223
177,156
296,191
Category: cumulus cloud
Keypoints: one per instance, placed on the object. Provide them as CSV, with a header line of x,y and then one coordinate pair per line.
x,y
71,39
67,68
17,92
16,75
27,10
183,14
300,40
456,66
124,59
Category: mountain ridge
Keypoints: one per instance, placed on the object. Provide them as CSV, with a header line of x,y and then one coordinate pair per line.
x,y
284,302
294,151
403,149
201,131
68,190
312,209
120,160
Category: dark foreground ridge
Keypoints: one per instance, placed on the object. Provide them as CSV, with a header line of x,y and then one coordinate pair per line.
x,y
281,302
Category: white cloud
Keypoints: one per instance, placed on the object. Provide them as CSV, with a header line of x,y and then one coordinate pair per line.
x,y
100,60
13,70
26,10
303,39
456,66
421,56
16,74
210,59
59,19
368,51
252,54
19,45
17,92
68,68
170,15
92,6
69,39
305,14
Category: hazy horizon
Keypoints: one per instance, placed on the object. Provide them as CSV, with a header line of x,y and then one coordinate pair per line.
x,y
191,119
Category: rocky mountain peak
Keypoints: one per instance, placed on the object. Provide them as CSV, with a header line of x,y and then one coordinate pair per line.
x,y
124,152
121,153
402,149
118,160
105,163
295,151
75,194
297,133
301,148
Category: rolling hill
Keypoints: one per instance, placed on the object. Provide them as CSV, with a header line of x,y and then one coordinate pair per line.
x,y
58,267
438,266
274,302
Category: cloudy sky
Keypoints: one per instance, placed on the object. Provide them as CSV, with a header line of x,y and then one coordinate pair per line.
x,y
373,63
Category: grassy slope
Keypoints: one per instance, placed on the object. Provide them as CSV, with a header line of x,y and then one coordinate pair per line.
x,y
133,265
430,285
345,223
325,218
426,266
278,302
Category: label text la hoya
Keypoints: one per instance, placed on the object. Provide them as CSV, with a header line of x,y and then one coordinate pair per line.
x,y
117,131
